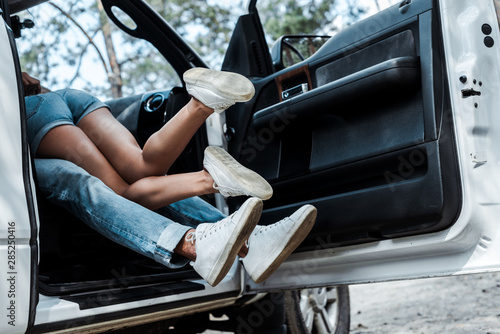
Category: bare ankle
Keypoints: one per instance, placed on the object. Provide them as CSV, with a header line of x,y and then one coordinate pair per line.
x,y
187,246
208,182
198,107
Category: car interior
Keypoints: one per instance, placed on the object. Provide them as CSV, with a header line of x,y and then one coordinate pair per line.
x,y
366,143
75,259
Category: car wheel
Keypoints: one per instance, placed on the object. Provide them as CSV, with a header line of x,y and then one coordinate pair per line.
x,y
318,310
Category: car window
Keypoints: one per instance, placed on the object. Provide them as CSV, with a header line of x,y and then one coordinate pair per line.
x,y
74,45
207,26
287,22
326,17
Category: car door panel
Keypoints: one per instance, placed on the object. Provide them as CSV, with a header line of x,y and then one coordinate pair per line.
x,y
363,143
405,181
18,218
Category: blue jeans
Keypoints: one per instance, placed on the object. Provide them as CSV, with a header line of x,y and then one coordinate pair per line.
x,y
152,234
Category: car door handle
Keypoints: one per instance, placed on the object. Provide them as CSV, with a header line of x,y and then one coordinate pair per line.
x,y
289,93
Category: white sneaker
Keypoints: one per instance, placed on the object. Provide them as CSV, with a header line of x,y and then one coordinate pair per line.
x,y
270,245
218,244
231,178
218,89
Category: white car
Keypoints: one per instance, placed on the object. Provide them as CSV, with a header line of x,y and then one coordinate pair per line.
x,y
389,129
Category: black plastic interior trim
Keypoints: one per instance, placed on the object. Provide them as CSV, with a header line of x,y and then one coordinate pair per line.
x,y
426,35
366,31
120,280
384,79
371,174
87,301
407,198
401,42
247,52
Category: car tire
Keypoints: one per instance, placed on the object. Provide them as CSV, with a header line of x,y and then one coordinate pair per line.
x,y
318,310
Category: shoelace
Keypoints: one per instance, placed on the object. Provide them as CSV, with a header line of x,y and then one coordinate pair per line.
x,y
260,229
213,228
191,237
268,227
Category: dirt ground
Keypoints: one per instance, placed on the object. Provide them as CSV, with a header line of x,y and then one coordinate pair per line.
x,y
467,304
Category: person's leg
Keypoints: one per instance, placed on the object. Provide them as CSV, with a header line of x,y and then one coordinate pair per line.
x,y
160,151
191,212
213,245
211,91
71,143
103,147
117,218
157,191
68,142
270,245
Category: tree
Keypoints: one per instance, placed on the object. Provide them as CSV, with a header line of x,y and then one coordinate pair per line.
x,y
296,17
56,55
114,74
312,17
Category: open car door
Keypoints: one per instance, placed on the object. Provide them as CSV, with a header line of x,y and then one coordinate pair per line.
x,y
390,130
18,220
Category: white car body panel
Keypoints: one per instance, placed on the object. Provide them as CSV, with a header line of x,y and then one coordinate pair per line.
x,y
472,244
99,327
15,230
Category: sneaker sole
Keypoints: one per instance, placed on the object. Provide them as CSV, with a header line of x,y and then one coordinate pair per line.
x,y
227,84
251,217
253,183
296,236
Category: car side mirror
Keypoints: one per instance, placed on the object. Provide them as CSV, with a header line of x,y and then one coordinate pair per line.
x,y
291,49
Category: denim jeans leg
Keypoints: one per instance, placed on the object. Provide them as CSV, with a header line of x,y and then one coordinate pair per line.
x,y
117,218
191,212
